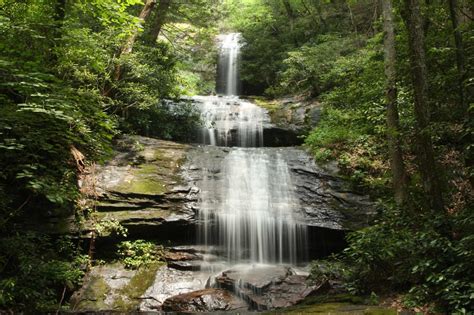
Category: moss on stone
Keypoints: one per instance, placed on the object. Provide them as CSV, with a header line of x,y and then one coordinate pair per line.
x,y
94,295
341,308
129,296
337,304
278,114
134,215
144,181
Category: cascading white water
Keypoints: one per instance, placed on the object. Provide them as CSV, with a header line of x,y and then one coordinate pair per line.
x,y
248,210
229,121
228,83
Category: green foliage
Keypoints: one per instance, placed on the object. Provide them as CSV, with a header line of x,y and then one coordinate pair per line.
x,y
110,226
308,69
403,253
58,92
278,31
325,270
134,254
37,134
172,120
36,269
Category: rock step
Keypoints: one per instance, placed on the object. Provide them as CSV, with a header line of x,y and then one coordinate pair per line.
x,y
268,287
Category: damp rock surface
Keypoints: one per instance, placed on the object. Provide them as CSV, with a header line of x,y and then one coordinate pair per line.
x,y
141,186
206,300
168,282
324,198
113,287
268,287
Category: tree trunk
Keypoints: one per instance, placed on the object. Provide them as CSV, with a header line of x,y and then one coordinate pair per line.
x,y
58,16
354,25
399,180
291,17
453,10
163,9
128,46
424,150
60,12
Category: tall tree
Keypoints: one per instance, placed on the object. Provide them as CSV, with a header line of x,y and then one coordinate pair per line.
x,y
453,10
399,180
425,153
163,8
128,46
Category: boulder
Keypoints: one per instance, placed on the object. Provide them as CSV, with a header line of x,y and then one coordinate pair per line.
x,y
268,287
185,265
169,282
180,256
206,300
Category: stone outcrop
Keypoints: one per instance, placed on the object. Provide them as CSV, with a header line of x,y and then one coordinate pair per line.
x,y
152,187
324,198
112,287
141,186
206,300
268,287
291,114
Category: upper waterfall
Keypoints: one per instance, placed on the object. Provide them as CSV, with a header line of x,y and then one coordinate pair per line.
x,y
228,66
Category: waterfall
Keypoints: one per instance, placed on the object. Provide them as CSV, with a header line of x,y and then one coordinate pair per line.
x,y
228,121
248,205
249,211
228,76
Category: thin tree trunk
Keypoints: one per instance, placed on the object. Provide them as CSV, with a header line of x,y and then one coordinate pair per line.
x,y
128,46
453,10
351,16
60,12
399,179
58,17
291,16
424,151
160,19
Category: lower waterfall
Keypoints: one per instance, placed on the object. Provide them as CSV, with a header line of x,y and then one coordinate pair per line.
x,y
249,210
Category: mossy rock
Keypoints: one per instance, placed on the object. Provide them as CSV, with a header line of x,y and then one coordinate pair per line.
x,y
93,295
337,304
129,296
113,288
341,308
142,180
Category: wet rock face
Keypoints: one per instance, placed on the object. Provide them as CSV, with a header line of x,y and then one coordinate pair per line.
x,y
169,282
112,287
141,186
291,113
268,287
324,199
207,300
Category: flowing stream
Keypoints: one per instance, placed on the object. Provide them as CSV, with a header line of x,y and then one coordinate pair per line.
x,y
249,211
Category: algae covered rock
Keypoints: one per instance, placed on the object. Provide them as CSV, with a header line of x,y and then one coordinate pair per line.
x,y
113,287
142,186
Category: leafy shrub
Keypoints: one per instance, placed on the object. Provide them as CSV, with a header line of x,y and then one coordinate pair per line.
x,y
305,69
328,269
409,254
35,269
166,120
135,254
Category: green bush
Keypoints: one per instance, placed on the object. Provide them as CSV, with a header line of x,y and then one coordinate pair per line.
x,y
172,120
36,269
408,254
305,70
134,254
